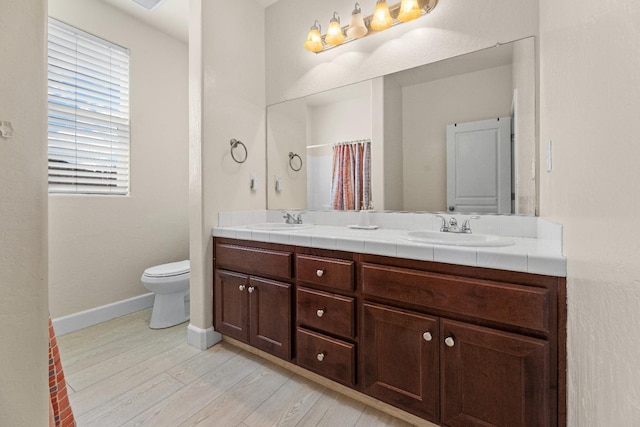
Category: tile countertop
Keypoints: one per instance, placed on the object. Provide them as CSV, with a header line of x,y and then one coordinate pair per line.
x,y
530,255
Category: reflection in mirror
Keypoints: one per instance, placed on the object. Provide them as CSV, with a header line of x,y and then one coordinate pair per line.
x,y
405,115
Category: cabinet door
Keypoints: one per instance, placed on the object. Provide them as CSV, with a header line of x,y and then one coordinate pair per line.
x,y
400,354
493,378
270,313
231,300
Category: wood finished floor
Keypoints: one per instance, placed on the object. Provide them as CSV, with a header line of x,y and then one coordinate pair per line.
x,y
121,373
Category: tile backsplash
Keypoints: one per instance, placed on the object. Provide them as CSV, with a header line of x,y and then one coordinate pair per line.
x,y
503,225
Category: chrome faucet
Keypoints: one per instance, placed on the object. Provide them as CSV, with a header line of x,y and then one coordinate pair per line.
x,y
292,218
451,226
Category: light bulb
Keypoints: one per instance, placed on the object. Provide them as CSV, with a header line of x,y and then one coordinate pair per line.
x,y
334,36
314,39
357,28
381,17
409,10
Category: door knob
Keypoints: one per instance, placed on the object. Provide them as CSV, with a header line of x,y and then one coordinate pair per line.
x,y
449,341
320,313
320,357
241,288
452,208
251,289
319,273
427,336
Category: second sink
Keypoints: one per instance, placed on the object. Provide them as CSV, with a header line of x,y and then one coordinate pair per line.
x,y
458,239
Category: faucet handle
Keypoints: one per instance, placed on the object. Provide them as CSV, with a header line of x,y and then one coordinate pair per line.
x,y
288,218
466,225
445,224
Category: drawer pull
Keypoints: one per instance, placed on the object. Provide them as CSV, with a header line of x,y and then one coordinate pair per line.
x,y
242,288
251,289
320,313
449,341
320,357
427,336
319,273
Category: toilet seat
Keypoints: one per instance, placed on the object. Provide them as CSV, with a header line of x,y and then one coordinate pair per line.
x,y
171,269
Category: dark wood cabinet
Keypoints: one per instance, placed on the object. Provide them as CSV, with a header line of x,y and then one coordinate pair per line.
x,y
231,304
253,309
326,271
331,313
401,359
330,357
326,334
466,373
270,316
493,378
455,345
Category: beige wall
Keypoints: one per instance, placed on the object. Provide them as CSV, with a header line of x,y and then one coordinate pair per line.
x,y
524,84
428,109
287,133
100,245
590,104
23,216
393,141
227,76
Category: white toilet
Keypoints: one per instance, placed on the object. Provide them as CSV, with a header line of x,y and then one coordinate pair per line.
x,y
170,284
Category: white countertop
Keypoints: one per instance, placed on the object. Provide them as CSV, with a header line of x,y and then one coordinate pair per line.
x,y
530,255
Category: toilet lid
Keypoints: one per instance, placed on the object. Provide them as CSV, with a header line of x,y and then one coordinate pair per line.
x,y
167,270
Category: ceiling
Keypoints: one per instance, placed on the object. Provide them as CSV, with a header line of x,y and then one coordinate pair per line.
x,y
170,16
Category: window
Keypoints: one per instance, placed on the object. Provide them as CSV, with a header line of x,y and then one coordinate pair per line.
x,y
88,120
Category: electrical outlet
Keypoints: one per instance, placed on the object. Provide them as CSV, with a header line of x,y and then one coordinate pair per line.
x,y
549,161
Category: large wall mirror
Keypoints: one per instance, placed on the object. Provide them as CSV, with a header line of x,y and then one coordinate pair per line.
x,y
405,129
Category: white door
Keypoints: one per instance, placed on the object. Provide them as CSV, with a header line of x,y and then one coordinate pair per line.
x,y
479,166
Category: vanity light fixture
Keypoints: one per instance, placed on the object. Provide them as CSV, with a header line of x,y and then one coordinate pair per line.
x,y
357,28
334,36
383,17
314,40
409,10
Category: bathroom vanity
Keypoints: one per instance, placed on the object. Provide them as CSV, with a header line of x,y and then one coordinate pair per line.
x,y
452,344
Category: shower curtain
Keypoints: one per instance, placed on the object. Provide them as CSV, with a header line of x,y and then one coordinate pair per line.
x,y
351,177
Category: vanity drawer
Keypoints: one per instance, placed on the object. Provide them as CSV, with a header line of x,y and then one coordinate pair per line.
x,y
331,272
518,305
263,262
326,356
334,314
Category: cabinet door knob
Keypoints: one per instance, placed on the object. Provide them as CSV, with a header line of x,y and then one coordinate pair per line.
x,y
319,273
449,341
427,336
320,312
320,357
251,289
241,288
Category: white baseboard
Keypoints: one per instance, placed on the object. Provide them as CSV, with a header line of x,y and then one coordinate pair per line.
x,y
73,322
202,338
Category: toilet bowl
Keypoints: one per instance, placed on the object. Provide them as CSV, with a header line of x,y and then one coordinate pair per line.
x,y
170,284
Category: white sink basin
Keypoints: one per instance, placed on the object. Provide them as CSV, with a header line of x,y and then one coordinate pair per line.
x,y
458,239
282,226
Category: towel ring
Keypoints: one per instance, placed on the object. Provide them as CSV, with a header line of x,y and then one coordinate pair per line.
x,y
293,156
234,145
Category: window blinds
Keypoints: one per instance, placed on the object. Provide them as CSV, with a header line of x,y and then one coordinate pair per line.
x,y
88,120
